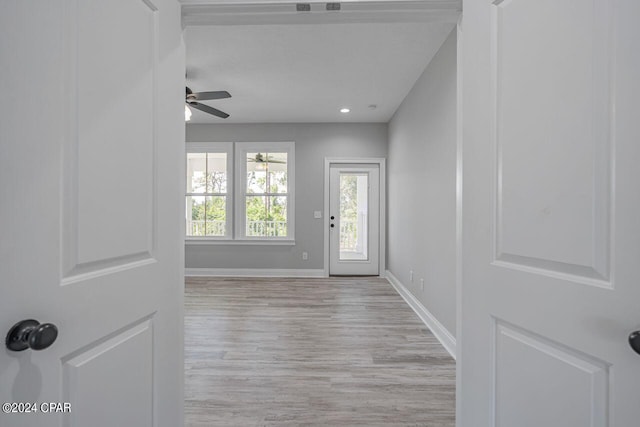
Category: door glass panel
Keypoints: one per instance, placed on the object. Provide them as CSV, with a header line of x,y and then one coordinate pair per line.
x,y
354,209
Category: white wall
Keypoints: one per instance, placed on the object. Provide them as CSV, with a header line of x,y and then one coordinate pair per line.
x,y
422,188
313,142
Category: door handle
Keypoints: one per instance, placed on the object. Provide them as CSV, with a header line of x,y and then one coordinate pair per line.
x,y
332,225
634,341
31,334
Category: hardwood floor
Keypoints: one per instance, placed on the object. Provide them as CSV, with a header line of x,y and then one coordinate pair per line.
x,y
311,352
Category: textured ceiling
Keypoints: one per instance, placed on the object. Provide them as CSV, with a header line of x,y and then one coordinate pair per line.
x,y
306,73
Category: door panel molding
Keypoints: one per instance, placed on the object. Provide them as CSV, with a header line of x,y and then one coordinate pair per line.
x,y
528,364
93,149
84,383
533,150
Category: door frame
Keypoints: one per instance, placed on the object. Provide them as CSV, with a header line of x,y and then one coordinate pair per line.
x,y
459,211
381,162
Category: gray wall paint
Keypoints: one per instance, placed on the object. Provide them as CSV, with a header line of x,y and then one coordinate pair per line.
x,y
314,142
421,177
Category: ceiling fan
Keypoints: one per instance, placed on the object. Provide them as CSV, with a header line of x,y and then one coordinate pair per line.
x,y
192,99
259,158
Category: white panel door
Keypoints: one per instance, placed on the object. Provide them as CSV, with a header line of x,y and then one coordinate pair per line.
x,y
354,221
550,211
91,176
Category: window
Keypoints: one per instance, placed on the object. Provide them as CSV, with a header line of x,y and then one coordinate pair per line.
x,y
263,197
265,172
208,205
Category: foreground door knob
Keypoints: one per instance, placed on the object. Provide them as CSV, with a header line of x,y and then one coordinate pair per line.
x,y
31,334
634,341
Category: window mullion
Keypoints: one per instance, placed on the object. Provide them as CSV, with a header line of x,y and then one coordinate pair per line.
x,y
206,187
267,205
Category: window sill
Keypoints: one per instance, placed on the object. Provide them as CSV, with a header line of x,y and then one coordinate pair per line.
x,y
218,242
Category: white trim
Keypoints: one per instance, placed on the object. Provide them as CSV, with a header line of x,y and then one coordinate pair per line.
x,y
383,218
447,340
219,12
328,161
325,238
459,218
253,272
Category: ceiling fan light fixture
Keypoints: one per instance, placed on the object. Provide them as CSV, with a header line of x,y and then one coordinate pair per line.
x,y
344,110
193,99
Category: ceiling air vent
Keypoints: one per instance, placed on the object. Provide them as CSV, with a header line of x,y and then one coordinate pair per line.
x,y
303,7
333,6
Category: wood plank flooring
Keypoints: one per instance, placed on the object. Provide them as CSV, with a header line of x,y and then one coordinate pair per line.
x,y
311,352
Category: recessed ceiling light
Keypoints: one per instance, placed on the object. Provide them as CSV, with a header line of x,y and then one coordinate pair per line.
x,y
344,110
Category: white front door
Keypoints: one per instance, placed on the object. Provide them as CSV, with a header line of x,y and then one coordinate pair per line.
x,y
354,221
91,158
551,214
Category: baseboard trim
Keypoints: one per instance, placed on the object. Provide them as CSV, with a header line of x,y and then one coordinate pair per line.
x,y
253,272
447,340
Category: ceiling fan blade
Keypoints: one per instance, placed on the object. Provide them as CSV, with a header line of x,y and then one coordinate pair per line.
x,y
208,109
272,160
265,161
206,96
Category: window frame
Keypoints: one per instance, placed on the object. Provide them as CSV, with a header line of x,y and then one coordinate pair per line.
x,y
237,190
214,147
241,150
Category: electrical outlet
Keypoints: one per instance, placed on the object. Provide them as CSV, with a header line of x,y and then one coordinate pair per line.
x,y
317,214
422,285
305,256
411,276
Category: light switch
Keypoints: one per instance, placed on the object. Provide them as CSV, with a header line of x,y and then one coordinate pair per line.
x,y
317,214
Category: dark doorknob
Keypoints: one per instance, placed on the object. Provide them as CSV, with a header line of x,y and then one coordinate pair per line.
x,y
31,334
332,217
332,225
634,341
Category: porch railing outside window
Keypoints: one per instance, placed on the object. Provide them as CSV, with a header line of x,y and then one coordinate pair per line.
x,y
254,228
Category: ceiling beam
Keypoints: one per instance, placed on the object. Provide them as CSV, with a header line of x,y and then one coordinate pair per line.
x,y
203,13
